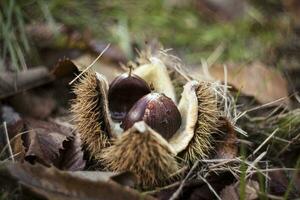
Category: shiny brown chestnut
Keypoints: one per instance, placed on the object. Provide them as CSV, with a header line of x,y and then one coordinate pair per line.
x,y
124,91
158,111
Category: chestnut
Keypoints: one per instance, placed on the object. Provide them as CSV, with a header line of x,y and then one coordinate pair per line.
x,y
124,91
156,110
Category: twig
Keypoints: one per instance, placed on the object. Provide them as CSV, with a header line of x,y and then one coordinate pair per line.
x,y
256,161
12,156
178,191
210,187
259,107
278,169
271,196
222,163
266,105
162,188
289,144
276,138
225,90
297,97
181,72
8,142
90,65
266,140
218,160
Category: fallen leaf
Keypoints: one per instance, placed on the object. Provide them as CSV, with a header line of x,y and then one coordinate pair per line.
x,y
51,144
125,178
71,157
122,178
279,181
44,146
36,104
231,192
15,82
14,125
61,185
227,147
257,80
64,67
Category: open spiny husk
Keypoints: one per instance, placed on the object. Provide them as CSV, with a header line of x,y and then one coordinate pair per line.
x,y
145,153
142,150
89,113
207,119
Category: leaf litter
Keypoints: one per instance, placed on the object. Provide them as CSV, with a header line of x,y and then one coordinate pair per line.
x,y
52,144
261,165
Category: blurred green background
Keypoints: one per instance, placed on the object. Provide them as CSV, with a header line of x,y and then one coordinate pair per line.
x,y
245,30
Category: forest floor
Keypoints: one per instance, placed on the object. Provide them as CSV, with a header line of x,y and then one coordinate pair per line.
x,y
253,47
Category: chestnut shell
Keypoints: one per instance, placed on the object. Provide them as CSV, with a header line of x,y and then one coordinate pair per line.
x,y
124,91
158,111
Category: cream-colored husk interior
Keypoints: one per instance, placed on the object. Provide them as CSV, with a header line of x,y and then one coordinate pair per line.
x,y
156,73
188,108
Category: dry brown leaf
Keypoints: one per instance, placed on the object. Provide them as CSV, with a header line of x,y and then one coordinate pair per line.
x,y
227,147
123,178
64,67
34,104
60,185
52,144
43,146
71,157
15,125
231,192
12,83
264,83
279,182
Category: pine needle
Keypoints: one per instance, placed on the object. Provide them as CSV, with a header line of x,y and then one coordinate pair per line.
x,y
86,69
